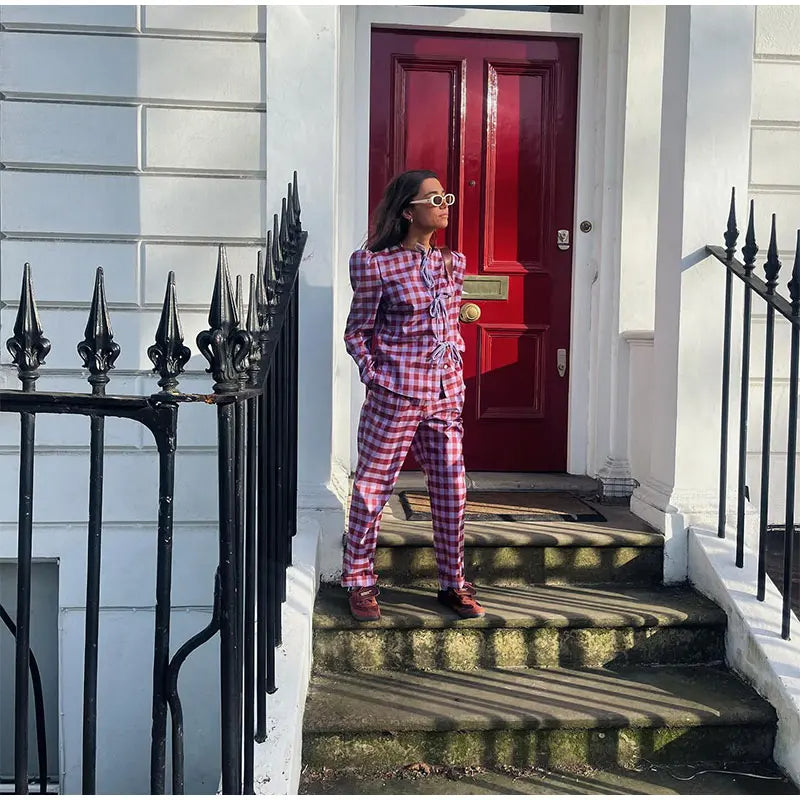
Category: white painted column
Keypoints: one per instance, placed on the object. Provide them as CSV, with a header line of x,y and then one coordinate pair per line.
x,y
708,54
609,461
626,283
302,76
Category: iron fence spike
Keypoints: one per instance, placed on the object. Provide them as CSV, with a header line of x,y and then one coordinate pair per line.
x,y
28,346
262,300
772,265
98,350
224,344
277,253
169,354
732,232
296,199
750,248
794,283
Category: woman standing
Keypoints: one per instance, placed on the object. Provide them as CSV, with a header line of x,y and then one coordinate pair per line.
x,y
403,334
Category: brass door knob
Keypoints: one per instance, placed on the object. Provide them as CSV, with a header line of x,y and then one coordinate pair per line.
x,y
469,312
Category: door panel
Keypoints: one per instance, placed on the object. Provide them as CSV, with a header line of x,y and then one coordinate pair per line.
x,y
514,352
495,118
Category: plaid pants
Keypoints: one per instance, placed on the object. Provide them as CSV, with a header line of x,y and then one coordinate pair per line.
x,y
391,424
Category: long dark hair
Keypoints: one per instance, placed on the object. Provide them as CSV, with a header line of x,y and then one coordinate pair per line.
x,y
389,226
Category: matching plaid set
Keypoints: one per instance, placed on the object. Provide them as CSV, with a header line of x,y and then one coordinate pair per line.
x,y
402,332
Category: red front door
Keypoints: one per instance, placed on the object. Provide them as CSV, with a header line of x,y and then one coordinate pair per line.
x,y
495,118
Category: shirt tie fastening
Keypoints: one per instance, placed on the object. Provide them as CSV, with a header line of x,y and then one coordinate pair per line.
x,y
438,310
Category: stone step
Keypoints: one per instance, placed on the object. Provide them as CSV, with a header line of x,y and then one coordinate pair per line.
x,y
534,626
582,485
513,554
710,778
553,718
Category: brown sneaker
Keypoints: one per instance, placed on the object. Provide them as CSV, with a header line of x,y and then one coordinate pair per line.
x,y
462,601
363,605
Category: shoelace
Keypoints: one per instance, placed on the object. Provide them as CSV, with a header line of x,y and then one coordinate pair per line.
x,y
365,593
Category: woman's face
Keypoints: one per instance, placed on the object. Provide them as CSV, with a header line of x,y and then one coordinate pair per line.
x,y
426,215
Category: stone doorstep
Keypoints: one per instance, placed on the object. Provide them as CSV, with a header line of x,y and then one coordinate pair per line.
x,y
520,566
550,748
568,606
621,528
503,481
534,717
712,778
547,626
518,698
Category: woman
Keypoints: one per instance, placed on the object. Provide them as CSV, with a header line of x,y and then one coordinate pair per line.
x,y
403,334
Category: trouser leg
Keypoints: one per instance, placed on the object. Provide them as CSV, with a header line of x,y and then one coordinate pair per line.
x,y
385,431
438,448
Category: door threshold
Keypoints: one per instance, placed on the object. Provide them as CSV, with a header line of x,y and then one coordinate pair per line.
x,y
503,481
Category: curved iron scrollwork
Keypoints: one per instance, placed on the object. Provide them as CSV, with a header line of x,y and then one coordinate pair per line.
x,y
171,680
38,704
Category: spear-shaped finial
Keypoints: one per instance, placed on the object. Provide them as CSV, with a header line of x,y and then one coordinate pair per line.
x,y
286,245
223,307
98,349
270,278
28,346
732,232
772,265
277,253
225,345
750,248
254,329
242,324
296,201
239,300
169,354
262,300
794,283
291,217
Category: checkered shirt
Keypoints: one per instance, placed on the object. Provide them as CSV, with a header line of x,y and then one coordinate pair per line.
x,y
403,328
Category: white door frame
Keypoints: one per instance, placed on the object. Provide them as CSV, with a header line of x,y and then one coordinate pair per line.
x,y
591,29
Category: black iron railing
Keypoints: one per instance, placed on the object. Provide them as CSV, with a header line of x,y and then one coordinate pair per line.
x,y
253,361
789,312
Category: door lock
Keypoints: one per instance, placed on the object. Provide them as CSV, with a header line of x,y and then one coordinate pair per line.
x,y
562,239
561,362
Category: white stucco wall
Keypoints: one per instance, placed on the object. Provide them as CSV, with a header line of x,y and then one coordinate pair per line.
x,y
132,138
775,187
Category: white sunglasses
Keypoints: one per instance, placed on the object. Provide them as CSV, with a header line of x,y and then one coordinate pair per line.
x,y
437,200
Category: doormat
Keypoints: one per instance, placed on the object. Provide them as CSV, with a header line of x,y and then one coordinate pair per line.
x,y
512,506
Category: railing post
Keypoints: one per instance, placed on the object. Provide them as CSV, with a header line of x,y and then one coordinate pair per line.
x,y
731,235
169,356
772,268
226,346
749,250
791,447
98,351
28,348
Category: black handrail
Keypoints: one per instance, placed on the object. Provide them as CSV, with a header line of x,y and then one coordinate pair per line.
x,y
790,312
253,361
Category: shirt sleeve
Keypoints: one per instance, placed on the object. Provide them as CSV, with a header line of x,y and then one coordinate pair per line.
x,y
459,269
365,278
